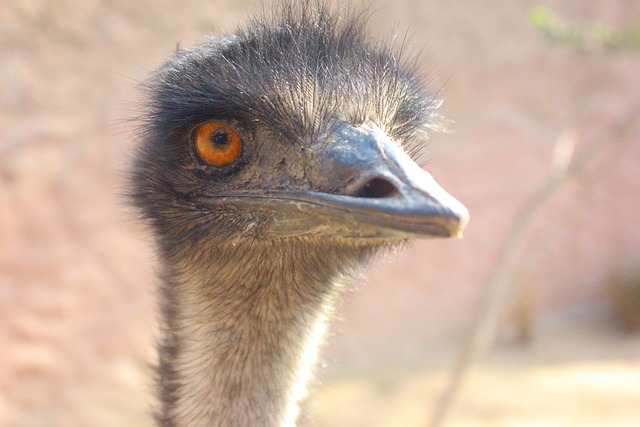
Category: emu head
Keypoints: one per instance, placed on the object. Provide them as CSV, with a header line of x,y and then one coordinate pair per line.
x,y
296,126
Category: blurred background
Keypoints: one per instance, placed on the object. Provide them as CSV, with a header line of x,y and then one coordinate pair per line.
x,y
519,78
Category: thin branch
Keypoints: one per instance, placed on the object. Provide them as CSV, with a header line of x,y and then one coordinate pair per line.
x,y
497,286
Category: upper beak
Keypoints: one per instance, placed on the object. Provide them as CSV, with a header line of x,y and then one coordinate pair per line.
x,y
370,188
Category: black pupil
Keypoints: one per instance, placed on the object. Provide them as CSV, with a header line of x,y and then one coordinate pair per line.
x,y
221,138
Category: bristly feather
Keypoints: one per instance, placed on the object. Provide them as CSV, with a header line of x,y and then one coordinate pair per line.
x,y
295,69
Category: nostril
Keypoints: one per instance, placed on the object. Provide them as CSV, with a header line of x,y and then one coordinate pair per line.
x,y
377,188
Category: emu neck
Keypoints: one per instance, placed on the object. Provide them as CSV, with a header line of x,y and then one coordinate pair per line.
x,y
243,326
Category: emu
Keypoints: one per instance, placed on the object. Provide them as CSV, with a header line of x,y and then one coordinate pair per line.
x,y
273,163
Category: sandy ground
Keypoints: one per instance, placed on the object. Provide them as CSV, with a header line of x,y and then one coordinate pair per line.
x,y
77,285
579,372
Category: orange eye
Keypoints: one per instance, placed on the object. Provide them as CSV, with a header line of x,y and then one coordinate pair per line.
x,y
217,144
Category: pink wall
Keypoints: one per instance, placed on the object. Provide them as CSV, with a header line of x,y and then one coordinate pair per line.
x,y
77,316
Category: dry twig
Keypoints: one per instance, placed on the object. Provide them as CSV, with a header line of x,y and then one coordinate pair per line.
x,y
563,166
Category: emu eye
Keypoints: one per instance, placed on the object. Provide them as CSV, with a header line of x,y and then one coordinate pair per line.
x,y
217,144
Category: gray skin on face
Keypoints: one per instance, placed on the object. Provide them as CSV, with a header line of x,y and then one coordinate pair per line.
x,y
254,253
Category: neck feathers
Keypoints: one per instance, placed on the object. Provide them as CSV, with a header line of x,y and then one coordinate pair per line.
x,y
243,326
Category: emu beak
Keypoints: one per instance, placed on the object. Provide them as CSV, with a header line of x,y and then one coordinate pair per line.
x,y
369,189
380,192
